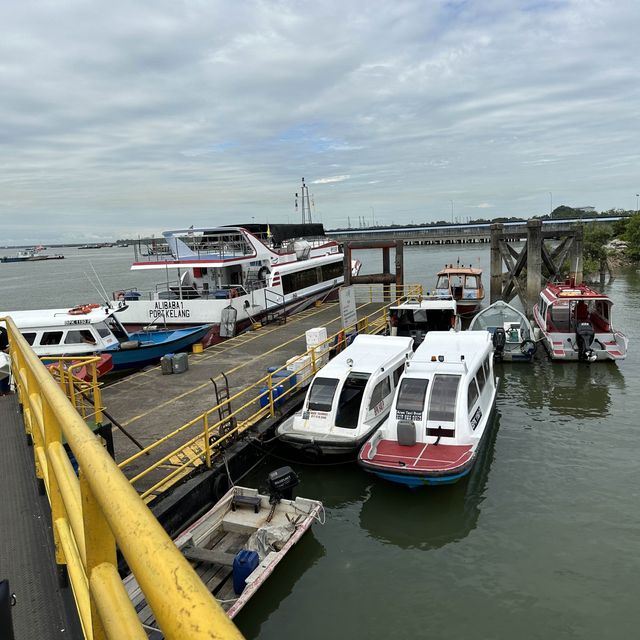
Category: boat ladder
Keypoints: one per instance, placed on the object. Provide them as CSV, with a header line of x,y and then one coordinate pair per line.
x,y
224,408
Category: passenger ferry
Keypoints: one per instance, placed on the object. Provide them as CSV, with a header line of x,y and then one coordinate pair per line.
x,y
415,317
349,397
89,329
440,414
231,277
576,323
463,284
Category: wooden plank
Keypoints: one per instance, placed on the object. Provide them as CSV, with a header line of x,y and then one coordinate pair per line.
x,y
211,556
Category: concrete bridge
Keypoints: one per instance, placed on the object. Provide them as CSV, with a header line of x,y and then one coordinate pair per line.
x,y
458,233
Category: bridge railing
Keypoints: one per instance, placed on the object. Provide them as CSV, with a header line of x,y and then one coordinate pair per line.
x,y
98,509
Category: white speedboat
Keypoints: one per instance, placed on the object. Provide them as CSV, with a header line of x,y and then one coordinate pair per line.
x,y
231,277
417,316
89,329
440,414
576,324
510,331
349,397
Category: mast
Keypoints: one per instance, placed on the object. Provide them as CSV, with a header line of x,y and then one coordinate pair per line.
x,y
306,205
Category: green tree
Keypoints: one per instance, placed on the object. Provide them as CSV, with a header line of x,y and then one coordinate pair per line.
x,y
632,236
596,237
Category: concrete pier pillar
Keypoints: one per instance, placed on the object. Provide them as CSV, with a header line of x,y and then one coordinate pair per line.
x,y
534,263
386,268
399,267
495,291
347,264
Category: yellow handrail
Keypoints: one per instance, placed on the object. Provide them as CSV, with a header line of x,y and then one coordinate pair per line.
x,y
93,513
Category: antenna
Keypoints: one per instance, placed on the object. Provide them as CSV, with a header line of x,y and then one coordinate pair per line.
x,y
104,292
306,205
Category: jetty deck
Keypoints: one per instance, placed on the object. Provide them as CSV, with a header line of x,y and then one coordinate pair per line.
x,y
27,560
150,405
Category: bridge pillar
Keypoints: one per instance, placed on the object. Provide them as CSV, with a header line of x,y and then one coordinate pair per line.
x,y
575,266
495,290
534,263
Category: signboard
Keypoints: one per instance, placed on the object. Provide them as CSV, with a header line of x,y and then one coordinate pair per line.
x,y
348,306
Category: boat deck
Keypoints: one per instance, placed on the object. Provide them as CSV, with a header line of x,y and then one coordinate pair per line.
x,y
27,560
425,458
151,405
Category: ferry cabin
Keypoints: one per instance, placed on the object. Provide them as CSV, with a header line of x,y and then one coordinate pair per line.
x,y
440,413
64,332
417,316
350,396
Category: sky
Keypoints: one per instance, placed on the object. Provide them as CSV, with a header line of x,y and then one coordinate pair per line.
x,y
120,119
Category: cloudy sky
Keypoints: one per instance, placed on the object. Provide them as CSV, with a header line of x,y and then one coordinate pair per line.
x,y
125,118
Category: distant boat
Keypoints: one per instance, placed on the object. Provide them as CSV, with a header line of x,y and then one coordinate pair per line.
x,y
91,246
89,329
510,331
31,255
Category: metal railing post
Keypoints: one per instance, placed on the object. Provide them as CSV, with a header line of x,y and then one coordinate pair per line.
x,y
271,404
207,445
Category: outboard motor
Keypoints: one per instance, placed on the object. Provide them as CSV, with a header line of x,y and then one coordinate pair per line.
x,y
499,339
584,339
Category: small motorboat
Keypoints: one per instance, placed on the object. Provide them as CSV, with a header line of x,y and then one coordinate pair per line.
x,y
576,323
93,329
510,330
349,397
236,545
463,284
440,415
416,316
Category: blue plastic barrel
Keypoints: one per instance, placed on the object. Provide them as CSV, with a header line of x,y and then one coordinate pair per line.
x,y
276,391
243,565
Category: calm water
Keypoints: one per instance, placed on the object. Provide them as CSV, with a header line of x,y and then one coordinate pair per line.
x,y
541,541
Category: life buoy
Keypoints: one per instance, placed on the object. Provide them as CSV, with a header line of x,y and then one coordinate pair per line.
x,y
82,309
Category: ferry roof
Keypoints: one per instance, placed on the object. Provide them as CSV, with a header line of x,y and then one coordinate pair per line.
x,y
428,303
56,317
460,269
568,291
451,345
368,353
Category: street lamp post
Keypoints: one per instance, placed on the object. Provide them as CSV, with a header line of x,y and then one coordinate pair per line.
x,y
637,196
550,203
451,201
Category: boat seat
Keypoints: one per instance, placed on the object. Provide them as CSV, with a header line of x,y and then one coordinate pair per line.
x,y
406,433
246,501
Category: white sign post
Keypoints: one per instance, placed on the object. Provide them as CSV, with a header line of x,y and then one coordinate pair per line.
x,y
348,306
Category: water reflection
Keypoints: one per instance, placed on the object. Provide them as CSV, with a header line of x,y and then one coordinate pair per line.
x,y
300,558
575,389
431,517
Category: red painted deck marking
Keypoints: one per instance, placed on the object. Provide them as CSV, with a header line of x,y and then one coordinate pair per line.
x,y
419,457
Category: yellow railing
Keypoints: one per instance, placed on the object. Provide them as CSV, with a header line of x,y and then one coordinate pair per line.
x,y
257,400
98,510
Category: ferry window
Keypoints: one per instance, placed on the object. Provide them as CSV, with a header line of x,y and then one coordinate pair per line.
x,y
412,394
29,337
396,375
332,271
321,394
471,282
481,378
103,330
84,336
472,394
380,392
51,337
443,398
300,280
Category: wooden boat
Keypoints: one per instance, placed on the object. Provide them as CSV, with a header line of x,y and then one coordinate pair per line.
x,y
576,324
463,284
510,330
89,329
243,520
417,316
349,397
441,412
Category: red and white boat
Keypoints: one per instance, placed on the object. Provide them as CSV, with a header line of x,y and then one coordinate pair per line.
x,y
441,412
576,324
232,276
